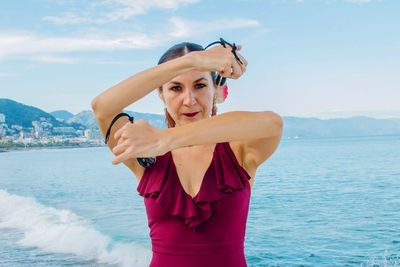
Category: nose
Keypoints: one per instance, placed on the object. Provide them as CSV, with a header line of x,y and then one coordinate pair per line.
x,y
189,98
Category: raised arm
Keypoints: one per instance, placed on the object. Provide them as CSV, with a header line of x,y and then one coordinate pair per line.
x,y
254,130
113,100
226,127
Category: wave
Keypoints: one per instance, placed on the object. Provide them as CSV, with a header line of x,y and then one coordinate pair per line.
x,y
62,231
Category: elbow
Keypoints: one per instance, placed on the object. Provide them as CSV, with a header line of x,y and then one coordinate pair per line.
x,y
275,123
94,104
95,107
101,110
279,121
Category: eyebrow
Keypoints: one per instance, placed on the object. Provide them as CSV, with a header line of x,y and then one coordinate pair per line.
x,y
202,78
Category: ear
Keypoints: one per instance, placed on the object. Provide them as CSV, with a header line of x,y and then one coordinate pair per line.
x,y
160,95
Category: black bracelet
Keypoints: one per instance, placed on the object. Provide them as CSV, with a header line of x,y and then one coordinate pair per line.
x,y
224,43
113,121
144,162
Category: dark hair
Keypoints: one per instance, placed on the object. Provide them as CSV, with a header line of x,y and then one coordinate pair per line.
x,y
176,51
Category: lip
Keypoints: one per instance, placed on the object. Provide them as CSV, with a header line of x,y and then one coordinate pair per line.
x,y
190,114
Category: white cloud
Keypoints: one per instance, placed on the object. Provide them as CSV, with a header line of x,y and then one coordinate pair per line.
x,y
359,1
6,74
287,1
117,10
23,43
56,59
72,60
129,8
28,43
71,18
348,1
185,28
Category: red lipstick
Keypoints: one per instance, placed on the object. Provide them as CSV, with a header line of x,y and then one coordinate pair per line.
x,y
191,114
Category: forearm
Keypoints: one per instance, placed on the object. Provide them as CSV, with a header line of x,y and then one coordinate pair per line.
x,y
229,126
116,98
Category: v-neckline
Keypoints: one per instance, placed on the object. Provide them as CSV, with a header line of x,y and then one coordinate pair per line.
x,y
202,180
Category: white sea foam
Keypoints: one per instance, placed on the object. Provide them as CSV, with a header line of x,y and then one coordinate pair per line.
x,y
62,231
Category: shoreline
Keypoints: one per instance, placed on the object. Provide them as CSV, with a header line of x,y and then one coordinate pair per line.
x,y
284,140
4,150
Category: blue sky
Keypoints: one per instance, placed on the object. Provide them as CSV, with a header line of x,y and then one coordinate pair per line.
x,y
305,57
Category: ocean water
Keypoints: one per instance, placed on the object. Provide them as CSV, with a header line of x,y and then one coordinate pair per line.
x,y
319,202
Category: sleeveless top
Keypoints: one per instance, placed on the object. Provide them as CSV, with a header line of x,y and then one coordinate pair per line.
x,y
213,223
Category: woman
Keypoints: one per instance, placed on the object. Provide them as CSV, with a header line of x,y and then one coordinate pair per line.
x,y
197,193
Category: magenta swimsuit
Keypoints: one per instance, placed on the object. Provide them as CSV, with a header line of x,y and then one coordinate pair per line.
x,y
207,230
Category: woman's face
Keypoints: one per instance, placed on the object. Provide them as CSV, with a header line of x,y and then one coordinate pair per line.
x,y
189,92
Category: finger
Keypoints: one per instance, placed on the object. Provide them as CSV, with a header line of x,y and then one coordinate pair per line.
x,y
120,148
226,72
119,132
242,66
123,129
121,158
241,59
121,140
236,70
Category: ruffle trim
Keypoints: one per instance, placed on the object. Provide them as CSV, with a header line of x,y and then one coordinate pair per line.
x,y
223,177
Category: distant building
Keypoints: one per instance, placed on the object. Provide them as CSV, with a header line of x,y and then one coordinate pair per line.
x,y
16,127
46,125
64,130
44,119
21,136
93,134
37,129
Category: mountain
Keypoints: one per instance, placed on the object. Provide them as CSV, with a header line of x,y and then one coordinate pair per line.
x,y
154,120
355,126
294,127
62,114
377,114
18,113
87,118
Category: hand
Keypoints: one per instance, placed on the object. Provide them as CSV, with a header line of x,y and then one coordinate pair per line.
x,y
139,140
220,59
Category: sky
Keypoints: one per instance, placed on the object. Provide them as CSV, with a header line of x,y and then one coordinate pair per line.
x,y
305,57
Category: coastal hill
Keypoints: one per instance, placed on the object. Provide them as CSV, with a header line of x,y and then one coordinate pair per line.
x,y
62,115
87,118
341,127
294,127
23,115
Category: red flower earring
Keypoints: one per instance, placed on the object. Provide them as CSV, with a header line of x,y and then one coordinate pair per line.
x,y
221,94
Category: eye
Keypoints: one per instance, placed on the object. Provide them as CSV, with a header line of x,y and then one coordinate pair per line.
x,y
202,85
173,88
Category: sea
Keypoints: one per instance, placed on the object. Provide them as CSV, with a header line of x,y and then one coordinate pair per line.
x,y
315,202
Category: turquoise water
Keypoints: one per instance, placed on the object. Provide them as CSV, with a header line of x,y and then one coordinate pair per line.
x,y
320,202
